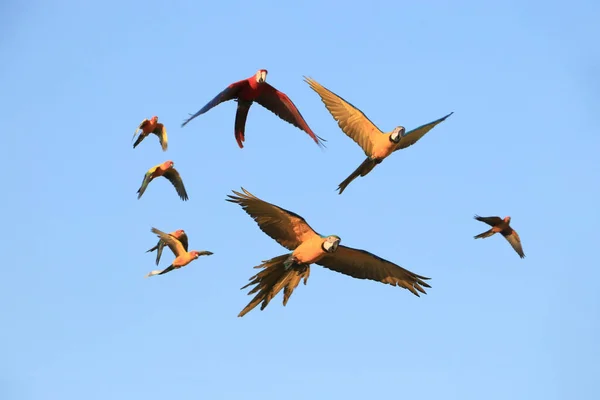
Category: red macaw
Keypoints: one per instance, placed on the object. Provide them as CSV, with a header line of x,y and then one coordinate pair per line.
x,y
256,89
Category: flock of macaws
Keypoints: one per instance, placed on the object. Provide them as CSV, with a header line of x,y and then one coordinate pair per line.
x,y
287,228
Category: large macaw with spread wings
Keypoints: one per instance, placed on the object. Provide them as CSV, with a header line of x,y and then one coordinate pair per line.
x,y
308,247
376,144
256,89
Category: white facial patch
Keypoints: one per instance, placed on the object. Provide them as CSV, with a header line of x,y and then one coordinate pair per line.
x,y
331,244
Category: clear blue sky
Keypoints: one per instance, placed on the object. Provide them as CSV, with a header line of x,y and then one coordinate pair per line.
x,y
80,321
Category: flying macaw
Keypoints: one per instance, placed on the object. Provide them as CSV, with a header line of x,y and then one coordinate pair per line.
x,y
182,256
149,126
256,89
166,170
376,144
308,247
502,226
179,234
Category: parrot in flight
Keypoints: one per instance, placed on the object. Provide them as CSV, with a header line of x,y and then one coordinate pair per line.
x,y
256,89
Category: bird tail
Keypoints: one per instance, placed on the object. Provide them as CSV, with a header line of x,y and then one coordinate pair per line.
x,y
240,121
485,234
362,170
160,272
274,277
152,273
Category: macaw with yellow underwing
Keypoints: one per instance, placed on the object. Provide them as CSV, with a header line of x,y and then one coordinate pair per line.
x,y
166,170
149,126
256,89
376,144
179,234
308,247
182,256
503,227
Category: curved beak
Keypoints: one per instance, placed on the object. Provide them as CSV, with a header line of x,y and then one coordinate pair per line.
x,y
335,245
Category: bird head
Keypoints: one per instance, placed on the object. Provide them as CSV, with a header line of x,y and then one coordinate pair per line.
x,y
196,253
168,164
154,119
261,75
507,219
397,134
331,243
179,233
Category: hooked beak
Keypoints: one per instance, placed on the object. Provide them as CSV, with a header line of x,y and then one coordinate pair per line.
x,y
261,79
335,246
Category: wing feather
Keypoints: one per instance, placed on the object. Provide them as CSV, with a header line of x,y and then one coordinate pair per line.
x,y
412,137
361,264
229,93
161,132
491,221
173,176
515,241
352,121
141,126
183,238
281,105
287,228
175,245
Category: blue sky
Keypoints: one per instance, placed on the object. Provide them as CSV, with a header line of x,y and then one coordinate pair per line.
x,y
79,320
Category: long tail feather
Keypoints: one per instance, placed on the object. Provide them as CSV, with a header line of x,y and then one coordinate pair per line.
x,y
362,170
272,279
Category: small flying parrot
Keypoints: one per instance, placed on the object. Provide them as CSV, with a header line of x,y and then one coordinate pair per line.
x,y
307,247
178,234
182,256
256,89
149,126
165,169
376,144
503,227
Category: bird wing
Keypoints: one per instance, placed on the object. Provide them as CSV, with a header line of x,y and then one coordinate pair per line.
x,y
515,241
287,228
280,104
361,264
146,181
412,137
144,122
161,132
491,221
175,245
229,93
350,119
173,176
183,238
